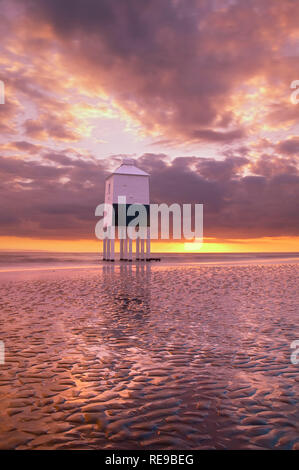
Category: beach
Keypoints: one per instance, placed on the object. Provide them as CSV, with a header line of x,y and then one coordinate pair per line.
x,y
150,356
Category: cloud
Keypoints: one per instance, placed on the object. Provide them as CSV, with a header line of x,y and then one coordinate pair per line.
x,y
214,136
44,200
174,67
25,147
269,165
191,72
48,126
215,75
58,199
289,146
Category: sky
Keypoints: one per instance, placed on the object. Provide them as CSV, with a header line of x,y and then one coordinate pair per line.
x,y
197,91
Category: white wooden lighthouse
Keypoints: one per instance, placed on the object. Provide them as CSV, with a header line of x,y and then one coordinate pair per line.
x,y
130,184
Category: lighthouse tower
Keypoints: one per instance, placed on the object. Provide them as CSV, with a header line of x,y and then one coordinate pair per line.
x,y
130,184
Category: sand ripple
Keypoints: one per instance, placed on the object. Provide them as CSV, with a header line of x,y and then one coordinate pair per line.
x,y
162,357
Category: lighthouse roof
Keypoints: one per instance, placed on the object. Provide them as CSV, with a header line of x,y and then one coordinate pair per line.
x,y
128,167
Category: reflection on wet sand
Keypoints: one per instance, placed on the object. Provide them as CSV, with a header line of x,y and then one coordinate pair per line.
x,y
134,287
141,356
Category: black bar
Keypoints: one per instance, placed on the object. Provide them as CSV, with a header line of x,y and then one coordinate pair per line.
x,y
139,459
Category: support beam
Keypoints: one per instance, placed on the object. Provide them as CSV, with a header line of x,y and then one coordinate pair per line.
x,y
121,244
104,249
120,249
130,249
112,249
108,250
137,248
126,247
142,249
148,244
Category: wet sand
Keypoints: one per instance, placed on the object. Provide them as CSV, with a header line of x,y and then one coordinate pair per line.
x,y
160,357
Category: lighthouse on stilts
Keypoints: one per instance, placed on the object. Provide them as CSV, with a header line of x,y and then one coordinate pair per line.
x,y
127,186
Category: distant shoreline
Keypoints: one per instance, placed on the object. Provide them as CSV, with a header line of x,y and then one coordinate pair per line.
x,y
167,261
